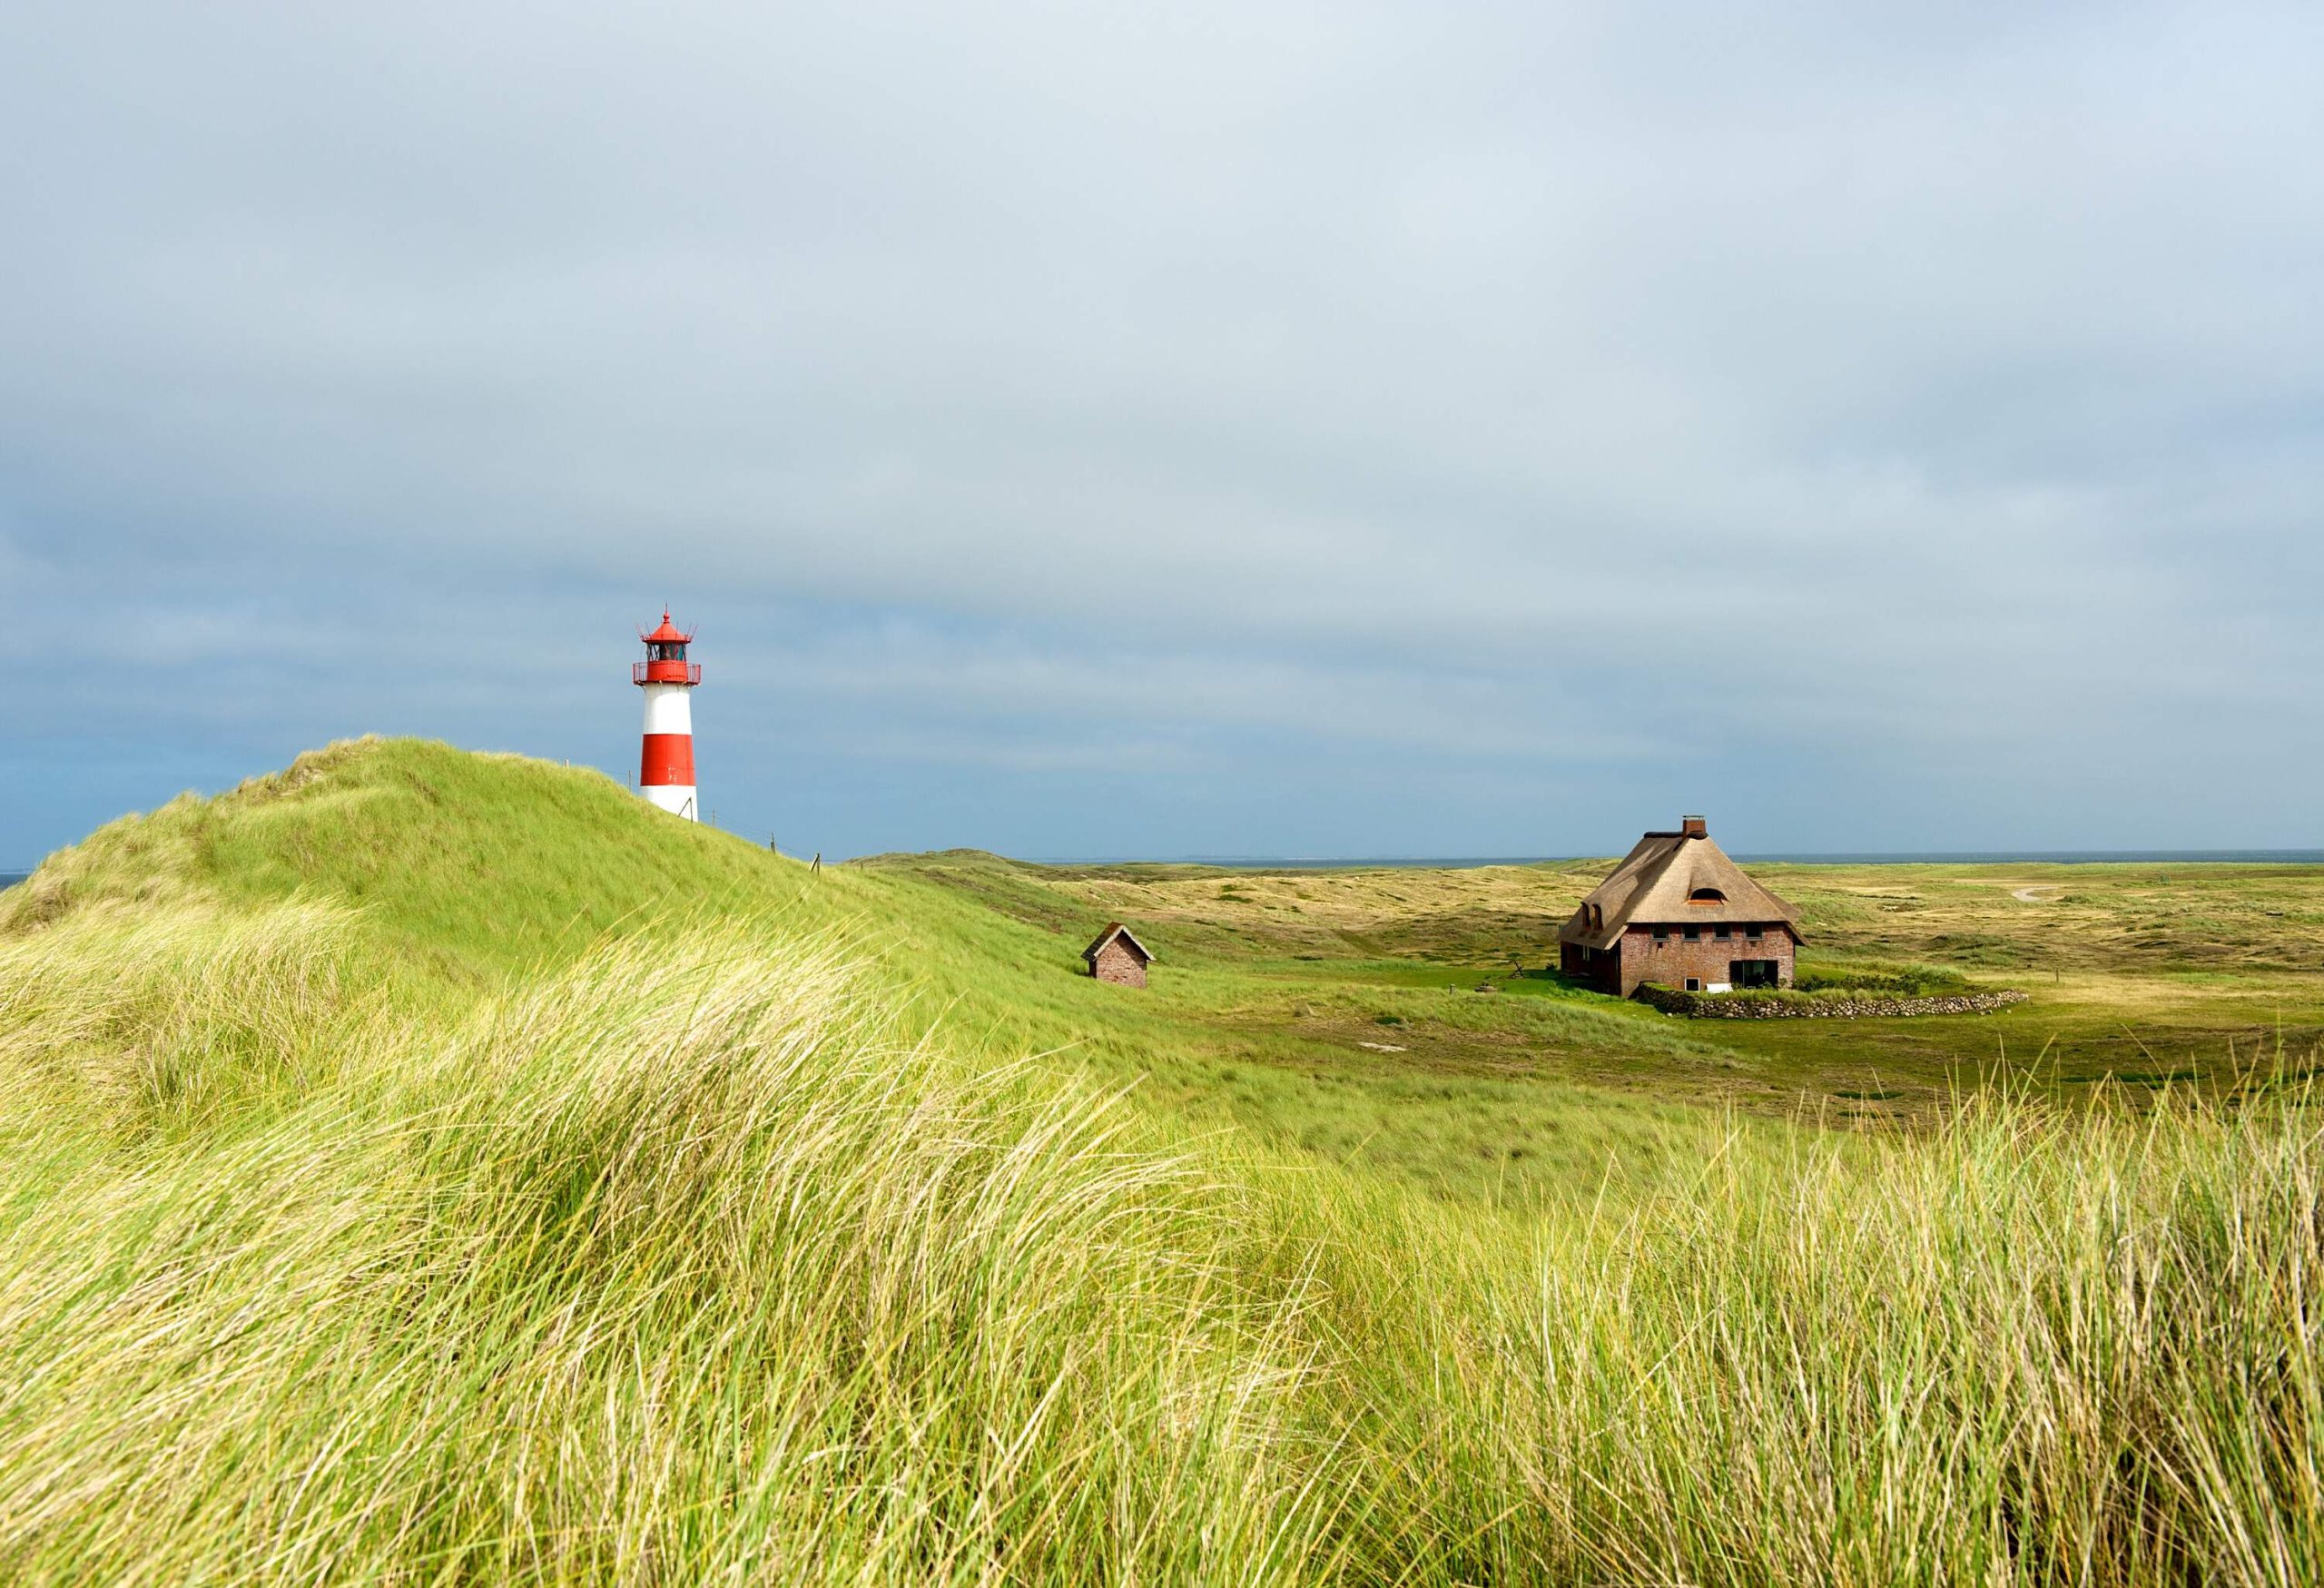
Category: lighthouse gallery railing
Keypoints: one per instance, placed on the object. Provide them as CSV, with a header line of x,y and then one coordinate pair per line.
x,y
666,672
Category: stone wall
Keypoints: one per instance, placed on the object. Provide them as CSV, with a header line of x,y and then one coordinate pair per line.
x,y
1818,1005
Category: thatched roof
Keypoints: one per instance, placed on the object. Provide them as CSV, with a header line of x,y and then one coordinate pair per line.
x,y
1115,928
1666,880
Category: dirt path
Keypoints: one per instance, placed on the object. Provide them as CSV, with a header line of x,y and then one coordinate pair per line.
x,y
2032,895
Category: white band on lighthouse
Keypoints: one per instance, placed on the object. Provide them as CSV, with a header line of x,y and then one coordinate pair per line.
x,y
677,798
667,709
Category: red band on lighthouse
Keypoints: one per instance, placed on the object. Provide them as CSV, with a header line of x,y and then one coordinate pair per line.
x,y
668,758
665,763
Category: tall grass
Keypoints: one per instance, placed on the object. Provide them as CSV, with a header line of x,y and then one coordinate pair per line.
x,y
694,1256
679,1267
158,1019
2030,1348
689,1263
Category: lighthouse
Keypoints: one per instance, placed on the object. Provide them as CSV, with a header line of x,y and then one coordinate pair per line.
x,y
665,767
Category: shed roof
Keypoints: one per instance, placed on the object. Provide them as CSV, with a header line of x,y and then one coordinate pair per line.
x,y
1115,928
1656,884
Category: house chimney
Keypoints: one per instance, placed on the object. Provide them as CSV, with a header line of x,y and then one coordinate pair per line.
x,y
1693,827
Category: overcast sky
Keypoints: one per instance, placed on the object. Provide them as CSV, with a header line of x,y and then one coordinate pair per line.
x,y
1257,428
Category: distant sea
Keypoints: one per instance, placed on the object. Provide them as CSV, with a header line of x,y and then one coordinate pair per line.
x,y
2063,857
1929,857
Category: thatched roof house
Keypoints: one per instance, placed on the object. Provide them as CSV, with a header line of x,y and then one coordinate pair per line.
x,y
1679,912
1117,956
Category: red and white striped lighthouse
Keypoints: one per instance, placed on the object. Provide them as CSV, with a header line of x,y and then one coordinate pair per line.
x,y
665,768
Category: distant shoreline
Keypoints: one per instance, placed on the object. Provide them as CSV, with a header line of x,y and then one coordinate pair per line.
x,y
1930,857
1933,857
2062,857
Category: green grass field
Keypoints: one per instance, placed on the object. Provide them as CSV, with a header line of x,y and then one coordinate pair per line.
x,y
2202,976
431,1168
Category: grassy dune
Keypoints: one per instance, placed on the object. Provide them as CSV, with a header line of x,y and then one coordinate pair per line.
x,y
397,1194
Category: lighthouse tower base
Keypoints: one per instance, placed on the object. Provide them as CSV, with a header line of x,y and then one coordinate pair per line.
x,y
677,798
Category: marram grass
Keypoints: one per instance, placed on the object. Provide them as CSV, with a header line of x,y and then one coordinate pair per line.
x,y
677,1267
695,1255
2031,1348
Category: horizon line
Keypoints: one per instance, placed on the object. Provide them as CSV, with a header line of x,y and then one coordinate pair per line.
x,y
2188,857
2282,856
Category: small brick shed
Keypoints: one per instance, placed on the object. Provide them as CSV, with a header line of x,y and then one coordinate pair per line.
x,y
1118,957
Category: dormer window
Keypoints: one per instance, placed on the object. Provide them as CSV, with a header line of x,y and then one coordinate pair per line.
x,y
1706,896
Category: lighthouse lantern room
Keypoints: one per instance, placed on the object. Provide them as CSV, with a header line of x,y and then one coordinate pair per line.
x,y
665,768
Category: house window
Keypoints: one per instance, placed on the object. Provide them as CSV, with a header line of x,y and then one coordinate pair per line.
x,y
1751,933
1661,934
1694,933
1724,933
1694,984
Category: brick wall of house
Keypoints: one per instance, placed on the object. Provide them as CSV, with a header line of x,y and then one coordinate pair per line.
x,y
1118,962
1709,959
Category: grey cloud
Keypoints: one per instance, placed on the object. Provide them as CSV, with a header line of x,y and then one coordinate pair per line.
x,y
1484,383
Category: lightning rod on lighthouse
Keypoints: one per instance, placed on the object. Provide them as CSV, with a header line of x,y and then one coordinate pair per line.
x,y
665,766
